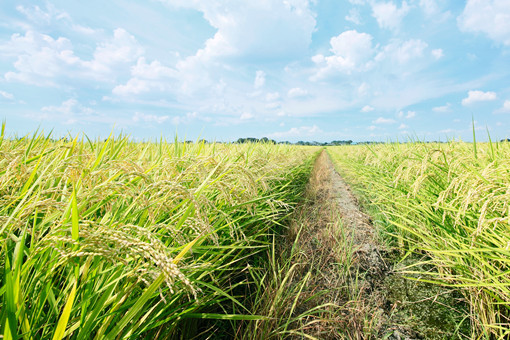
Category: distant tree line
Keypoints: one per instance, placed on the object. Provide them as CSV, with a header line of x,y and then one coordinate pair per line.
x,y
271,141
335,142
255,140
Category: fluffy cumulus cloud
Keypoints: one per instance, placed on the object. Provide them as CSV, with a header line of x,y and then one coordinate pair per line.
x,y
388,15
147,77
478,96
244,30
491,17
41,58
351,51
242,36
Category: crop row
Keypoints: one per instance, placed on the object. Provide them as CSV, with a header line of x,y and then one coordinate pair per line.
x,y
451,203
122,239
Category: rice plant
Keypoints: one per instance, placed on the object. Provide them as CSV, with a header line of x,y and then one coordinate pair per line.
x,y
121,239
450,202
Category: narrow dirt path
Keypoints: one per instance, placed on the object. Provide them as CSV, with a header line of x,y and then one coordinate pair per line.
x,y
340,245
355,222
367,266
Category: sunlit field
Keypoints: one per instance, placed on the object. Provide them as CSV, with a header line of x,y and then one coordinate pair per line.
x,y
449,204
117,239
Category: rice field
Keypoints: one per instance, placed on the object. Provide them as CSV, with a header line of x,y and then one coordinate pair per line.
x,y
447,204
113,239
117,239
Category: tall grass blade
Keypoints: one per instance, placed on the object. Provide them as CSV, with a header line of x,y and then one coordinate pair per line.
x,y
64,317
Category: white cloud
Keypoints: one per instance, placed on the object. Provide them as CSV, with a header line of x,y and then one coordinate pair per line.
x,y
444,108
388,15
403,52
505,108
154,70
147,77
382,120
430,7
437,53
69,112
273,106
246,116
478,96
408,115
148,118
351,48
491,17
506,105
6,95
41,58
363,89
260,79
372,128
299,132
402,126
186,119
351,51
51,16
68,107
433,10
354,16
367,108
242,34
122,48
35,13
46,16
272,96
297,92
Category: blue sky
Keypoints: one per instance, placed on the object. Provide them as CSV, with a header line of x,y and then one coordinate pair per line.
x,y
286,69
